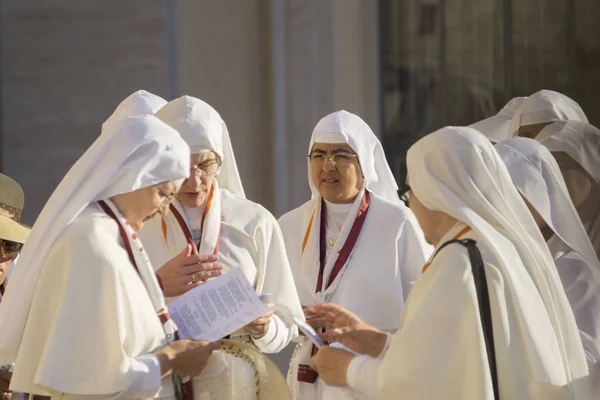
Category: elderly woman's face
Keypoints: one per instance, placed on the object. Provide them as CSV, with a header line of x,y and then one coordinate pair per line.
x,y
195,189
141,205
337,181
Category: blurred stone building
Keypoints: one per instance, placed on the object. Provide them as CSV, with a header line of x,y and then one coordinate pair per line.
x,y
453,62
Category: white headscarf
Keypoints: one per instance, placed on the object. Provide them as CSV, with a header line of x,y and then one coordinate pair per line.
x,y
537,176
580,140
543,107
137,103
132,154
457,171
203,129
348,128
495,128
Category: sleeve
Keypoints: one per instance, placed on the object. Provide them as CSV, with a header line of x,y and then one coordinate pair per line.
x,y
440,339
87,311
362,376
413,252
275,278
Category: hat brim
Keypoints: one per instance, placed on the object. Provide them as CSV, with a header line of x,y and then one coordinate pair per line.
x,y
12,230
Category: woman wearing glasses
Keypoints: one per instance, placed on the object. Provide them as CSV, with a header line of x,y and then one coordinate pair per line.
x,y
211,216
354,243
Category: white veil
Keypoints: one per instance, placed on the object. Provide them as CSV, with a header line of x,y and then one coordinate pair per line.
x,y
131,154
348,128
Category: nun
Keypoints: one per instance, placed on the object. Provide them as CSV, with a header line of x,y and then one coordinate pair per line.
x,y
354,243
211,216
537,176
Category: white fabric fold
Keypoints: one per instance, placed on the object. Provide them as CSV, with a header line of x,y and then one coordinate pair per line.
x,y
495,128
203,129
135,153
545,107
537,176
139,102
581,141
348,128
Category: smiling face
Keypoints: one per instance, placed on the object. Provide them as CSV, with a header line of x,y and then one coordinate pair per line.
x,y
338,182
195,189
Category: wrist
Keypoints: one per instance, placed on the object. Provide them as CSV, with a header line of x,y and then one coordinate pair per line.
x,y
259,335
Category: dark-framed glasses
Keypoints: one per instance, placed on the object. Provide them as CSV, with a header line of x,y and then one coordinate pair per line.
x,y
338,159
206,169
404,194
9,249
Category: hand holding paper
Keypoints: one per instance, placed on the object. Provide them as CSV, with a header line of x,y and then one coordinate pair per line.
x,y
217,308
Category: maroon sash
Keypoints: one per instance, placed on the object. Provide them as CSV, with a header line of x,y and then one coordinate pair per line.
x,y
187,390
305,372
188,234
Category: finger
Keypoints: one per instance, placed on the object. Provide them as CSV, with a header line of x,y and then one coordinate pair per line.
x,y
213,346
258,329
319,323
195,268
186,252
270,304
260,321
203,276
325,308
313,362
200,258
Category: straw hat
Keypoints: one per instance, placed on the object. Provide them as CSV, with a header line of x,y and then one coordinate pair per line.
x,y
12,201
240,372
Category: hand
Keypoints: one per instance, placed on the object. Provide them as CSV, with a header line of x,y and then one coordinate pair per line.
x,y
346,328
261,325
363,339
332,364
186,271
185,357
330,316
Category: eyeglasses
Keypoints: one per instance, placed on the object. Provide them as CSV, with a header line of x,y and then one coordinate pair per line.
x,y
9,249
404,193
337,159
209,168
167,198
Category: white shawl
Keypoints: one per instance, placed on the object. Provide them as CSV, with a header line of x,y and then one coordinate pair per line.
x,y
537,176
495,128
545,107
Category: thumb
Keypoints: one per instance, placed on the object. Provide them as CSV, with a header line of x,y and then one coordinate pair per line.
x,y
186,252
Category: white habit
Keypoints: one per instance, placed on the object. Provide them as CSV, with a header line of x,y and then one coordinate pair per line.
x,y
246,235
386,259
77,319
537,176
439,351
